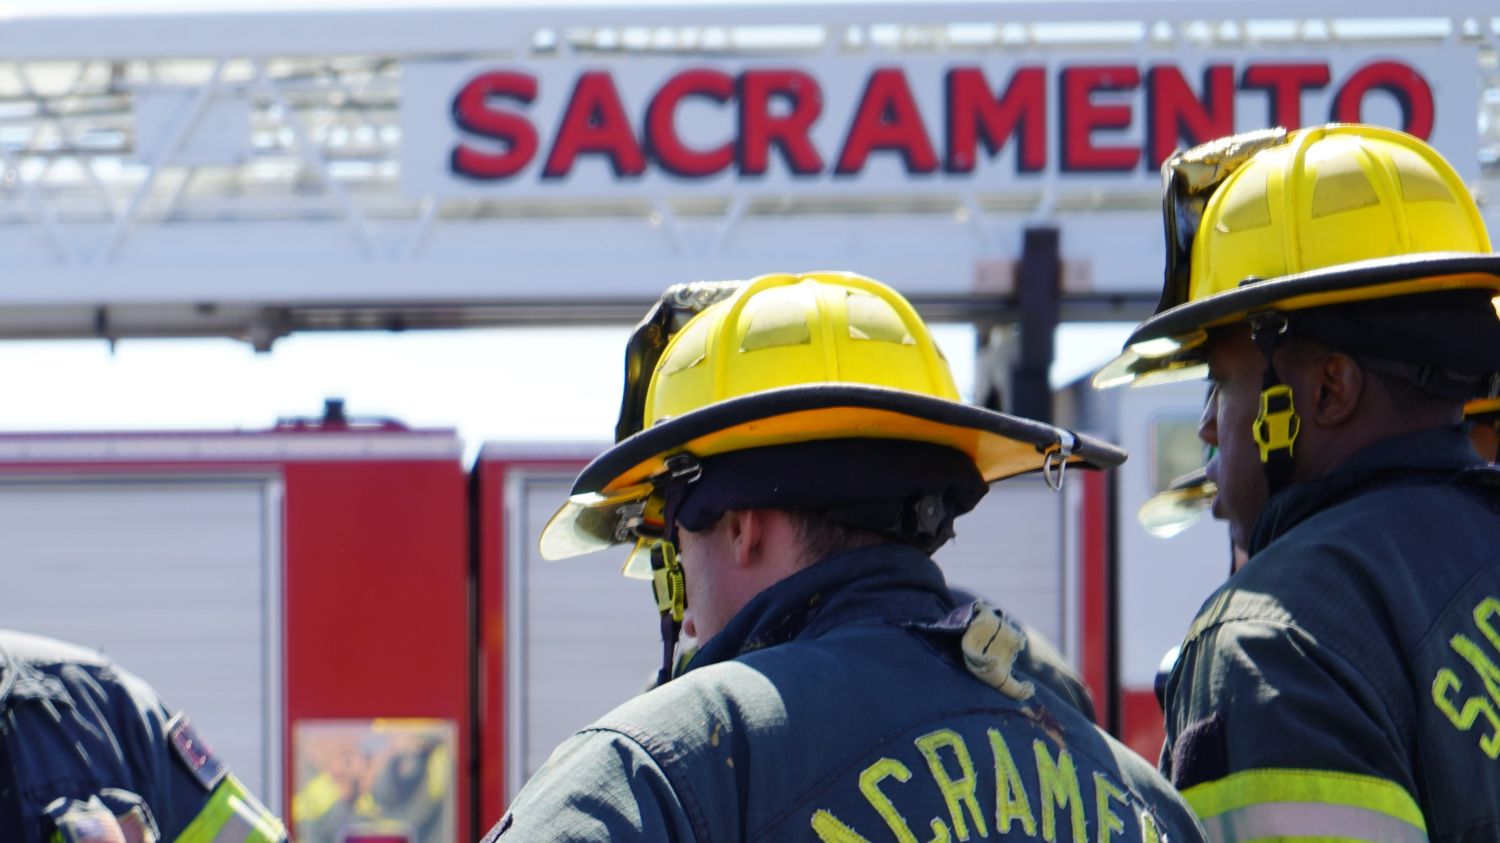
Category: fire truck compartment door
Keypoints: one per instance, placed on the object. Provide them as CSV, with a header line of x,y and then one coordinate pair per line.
x,y
175,578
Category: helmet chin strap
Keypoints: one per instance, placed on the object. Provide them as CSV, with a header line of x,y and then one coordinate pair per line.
x,y
1276,424
668,582
670,589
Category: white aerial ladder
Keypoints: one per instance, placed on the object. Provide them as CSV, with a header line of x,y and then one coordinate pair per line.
x,y
240,173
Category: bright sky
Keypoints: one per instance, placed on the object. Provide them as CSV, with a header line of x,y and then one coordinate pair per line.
x,y
513,384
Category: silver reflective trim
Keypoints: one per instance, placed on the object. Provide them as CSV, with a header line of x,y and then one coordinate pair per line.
x,y
236,828
1309,819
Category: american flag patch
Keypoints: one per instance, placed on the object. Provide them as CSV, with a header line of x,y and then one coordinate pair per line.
x,y
76,821
135,826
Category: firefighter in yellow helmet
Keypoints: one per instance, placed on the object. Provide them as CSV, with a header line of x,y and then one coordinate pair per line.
x,y
1335,283
789,452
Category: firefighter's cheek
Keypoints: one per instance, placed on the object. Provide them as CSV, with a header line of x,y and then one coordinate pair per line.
x,y
1241,476
700,554
697,581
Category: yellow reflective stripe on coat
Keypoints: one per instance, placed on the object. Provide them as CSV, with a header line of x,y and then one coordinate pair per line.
x,y
232,815
1306,804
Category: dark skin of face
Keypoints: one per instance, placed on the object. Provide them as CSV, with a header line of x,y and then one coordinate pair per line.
x,y
1343,410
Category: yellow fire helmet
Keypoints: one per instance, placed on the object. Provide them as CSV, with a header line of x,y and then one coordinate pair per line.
x,y
777,360
1287,221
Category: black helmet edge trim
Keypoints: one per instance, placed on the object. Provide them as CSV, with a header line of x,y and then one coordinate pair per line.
x,y
1206,312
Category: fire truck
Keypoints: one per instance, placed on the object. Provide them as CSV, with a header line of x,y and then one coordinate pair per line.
x,y
354,613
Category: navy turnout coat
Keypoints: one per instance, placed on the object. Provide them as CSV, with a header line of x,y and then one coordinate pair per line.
x,y
835,706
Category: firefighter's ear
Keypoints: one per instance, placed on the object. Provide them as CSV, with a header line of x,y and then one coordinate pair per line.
x,y
765,539
1336,383
746,535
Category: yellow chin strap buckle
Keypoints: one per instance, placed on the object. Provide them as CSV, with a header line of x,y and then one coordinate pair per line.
x,y
667,581
1277,424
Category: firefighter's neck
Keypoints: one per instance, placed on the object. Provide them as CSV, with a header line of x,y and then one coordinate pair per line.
x,y
749,550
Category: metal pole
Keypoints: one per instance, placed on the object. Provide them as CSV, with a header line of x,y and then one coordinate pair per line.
x,y
1038,283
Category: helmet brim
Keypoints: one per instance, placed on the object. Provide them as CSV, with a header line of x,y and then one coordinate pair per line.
x,y
1001,445
1183,502
1162,347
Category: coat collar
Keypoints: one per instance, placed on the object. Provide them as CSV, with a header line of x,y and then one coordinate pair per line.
x,y
880,582
1425,456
